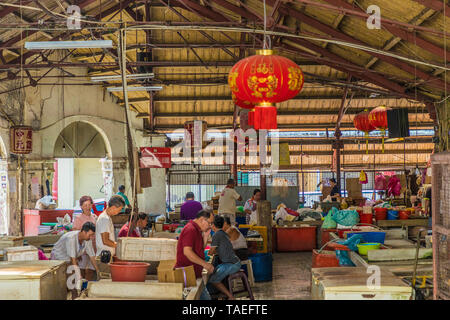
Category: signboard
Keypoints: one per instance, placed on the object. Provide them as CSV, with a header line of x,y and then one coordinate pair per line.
x,y
21,139
154,157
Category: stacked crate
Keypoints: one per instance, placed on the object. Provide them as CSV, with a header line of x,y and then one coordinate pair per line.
x,y
441,224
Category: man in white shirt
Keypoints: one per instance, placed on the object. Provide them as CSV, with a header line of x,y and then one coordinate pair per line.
x,y
227,201
72,245
104,237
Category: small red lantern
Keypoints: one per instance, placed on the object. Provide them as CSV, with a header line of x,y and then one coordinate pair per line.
x,y
263,80
362,123
378,119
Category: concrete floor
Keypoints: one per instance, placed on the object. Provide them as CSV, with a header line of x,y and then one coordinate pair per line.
x,y
291,278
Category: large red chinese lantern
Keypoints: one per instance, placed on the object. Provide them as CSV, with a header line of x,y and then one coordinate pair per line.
x,y
263,80
378,119
362,123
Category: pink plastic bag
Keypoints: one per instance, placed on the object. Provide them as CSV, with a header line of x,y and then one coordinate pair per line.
x,y
380,182
394,186
41,255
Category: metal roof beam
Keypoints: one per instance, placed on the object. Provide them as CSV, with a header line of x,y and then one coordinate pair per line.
x,y
228,98
429,79
406,35
436,6
296,112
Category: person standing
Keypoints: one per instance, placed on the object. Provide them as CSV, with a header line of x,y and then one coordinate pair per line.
x,y
104,237
87,268
191,245
190,207
227,201
335,190
250,205
125,198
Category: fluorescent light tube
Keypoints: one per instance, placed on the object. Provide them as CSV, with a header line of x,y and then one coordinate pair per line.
x,y
118,89
119,77
44,45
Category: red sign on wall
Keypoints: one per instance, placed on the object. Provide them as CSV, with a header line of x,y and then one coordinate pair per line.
x,y
154,157
21,140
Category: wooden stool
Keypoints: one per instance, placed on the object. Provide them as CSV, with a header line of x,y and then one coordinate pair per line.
x,y
251,278
240,275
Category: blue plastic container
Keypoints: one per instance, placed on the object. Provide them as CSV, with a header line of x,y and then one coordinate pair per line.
x,y
262,266
241,220
392,215
370,236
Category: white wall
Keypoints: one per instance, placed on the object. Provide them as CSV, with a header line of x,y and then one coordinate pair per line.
x,y
66,183
88,179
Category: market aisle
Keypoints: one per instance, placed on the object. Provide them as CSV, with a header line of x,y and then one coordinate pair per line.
x,y
291,278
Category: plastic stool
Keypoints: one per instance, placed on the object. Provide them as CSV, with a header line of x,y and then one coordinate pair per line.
x,y
251,278
240,275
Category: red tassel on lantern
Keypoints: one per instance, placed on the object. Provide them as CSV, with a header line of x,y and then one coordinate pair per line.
x,y
251,118
265,117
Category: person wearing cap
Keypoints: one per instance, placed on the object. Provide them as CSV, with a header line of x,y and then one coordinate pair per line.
x,y
227,201
190,207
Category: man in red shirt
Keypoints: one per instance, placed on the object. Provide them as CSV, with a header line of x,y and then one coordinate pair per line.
x,y
138,223
192,243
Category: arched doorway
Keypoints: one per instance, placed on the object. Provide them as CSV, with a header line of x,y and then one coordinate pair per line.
x,y
78,151
4,184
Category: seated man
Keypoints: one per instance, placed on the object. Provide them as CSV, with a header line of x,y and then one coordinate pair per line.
x,y
191,246
138,223
73,245
190,207
228,263
237,240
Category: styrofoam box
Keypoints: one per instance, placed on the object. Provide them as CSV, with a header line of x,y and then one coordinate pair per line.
x,y
146,249
25,253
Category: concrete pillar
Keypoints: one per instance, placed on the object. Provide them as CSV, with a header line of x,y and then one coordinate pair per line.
x,y
264,212
153,199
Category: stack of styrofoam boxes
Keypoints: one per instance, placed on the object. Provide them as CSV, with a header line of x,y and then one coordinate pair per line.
x,y
25,253
146,249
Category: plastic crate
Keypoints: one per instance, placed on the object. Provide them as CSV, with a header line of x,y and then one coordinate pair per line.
x,y
296,238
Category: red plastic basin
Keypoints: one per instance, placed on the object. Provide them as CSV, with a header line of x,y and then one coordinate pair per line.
x,y
380,213
366,218
324,259
404,214
128,271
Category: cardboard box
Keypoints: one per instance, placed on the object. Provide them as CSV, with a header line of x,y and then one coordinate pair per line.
x,y
166,273
354,188
174,215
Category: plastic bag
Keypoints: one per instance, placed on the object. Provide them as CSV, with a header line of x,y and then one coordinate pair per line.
x,y
380,182
329,222
394,186
346,217
363,177
45,203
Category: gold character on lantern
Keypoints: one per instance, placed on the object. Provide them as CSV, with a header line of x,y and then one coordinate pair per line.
x,y
295,78
232,81
271,83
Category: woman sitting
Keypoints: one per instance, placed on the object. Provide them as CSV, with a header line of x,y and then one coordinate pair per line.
x,y
237,240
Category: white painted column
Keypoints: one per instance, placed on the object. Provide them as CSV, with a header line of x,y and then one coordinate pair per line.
x,y
153,199
66,192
